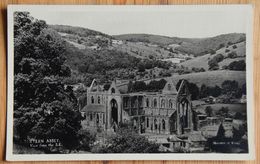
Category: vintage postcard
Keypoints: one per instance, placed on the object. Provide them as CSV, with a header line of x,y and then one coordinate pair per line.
x,y
130,82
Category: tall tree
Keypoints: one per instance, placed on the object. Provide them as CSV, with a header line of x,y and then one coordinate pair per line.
x,y
43,108
209,111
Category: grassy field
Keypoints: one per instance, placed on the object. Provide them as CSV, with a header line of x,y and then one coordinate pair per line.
x,y
193,46
202,61
213,78
233,108
209,78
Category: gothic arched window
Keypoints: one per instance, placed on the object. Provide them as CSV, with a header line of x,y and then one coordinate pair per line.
x,y
169,87
113,90
162,103
98,100
92,100
147,102
97,118
170,103
154,103
163,124
155,124
147,122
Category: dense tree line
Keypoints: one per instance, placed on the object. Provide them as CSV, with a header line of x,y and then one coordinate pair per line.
x,y
237,65
126,141
192,87
228,87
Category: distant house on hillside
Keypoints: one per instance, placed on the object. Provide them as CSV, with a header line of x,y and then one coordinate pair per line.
x,y
119,42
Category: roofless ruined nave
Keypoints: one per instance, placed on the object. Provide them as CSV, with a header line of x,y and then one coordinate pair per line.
x,y
166,112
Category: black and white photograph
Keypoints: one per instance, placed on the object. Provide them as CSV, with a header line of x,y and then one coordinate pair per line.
x,y
130,82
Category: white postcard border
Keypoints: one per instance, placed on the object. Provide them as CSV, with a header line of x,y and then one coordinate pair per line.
x,y
153,156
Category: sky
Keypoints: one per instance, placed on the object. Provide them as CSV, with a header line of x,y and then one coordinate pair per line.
x,y
173,21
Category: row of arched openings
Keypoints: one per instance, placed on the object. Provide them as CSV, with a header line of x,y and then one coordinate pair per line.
x,y
93,100
155,124
162,105
93,115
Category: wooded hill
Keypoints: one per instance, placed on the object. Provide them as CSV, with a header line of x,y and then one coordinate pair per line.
x,y
92,54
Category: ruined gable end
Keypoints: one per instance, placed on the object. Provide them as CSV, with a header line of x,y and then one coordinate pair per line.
x,y
169,88
113,88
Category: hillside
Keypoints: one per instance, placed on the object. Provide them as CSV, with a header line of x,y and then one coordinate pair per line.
x,y
92,54
146,45
80,31
148,50
210,78
213,78
202,61
86,39
148,38
195,46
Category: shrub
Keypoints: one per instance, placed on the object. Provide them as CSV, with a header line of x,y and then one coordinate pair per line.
x,y
202,70
223,111
237,65
224,67
126,141
221,46
232,55
212,52
213,64
227,50
229,87
209,111
86,140
234,46
219,57
229,43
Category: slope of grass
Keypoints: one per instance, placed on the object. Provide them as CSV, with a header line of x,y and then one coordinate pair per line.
x,y
198,46
202,61
194,46
80,31
233,108
148,38
209,78
212,78
145,50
